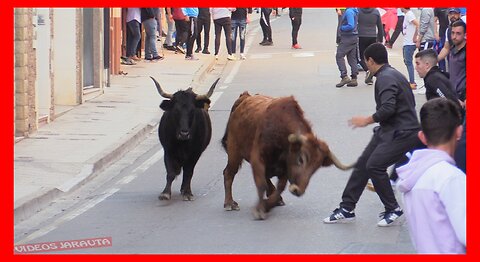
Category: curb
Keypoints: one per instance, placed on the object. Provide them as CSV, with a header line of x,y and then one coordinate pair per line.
x,y
92,167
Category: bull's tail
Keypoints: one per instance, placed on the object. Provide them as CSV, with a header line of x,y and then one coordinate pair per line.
x,y
240,99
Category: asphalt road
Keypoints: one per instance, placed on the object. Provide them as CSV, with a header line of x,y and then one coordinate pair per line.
x,y
122,202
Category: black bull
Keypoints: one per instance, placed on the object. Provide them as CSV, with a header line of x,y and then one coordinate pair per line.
x,y
185,131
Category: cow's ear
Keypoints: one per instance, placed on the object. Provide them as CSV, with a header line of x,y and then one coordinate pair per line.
x,y
203,103
166,105
325,153
296,142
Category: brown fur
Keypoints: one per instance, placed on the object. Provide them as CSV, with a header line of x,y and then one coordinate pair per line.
x,y
258,131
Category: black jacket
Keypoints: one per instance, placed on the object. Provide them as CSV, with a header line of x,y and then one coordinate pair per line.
x,y
241,13
148,13
395,101
437,84
370,23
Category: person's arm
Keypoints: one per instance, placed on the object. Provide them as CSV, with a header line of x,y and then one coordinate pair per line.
x,y
350,22
445,51
453,197
360,121
422,28
380,30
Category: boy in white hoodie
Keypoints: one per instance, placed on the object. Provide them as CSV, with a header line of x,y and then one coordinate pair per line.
x,y
433,188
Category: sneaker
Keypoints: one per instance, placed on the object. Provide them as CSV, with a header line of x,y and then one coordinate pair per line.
x,y
198,50
170,48
231,57
413,86
369,78
268,43
263,42
191,57
353,82
296,46
360,68
216,57
345,80
340,215
158,58
205,51
243,57
390,218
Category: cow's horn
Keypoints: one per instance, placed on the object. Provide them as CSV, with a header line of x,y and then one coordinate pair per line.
x,y
293,138
210,91
160,90
338,164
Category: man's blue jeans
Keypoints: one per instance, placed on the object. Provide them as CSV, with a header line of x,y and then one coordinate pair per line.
x,y
408,51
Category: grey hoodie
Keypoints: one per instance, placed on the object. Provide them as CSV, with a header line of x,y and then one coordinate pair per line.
x,y
370,23
434,192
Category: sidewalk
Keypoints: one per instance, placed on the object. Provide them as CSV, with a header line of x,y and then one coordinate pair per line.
x,y
63,155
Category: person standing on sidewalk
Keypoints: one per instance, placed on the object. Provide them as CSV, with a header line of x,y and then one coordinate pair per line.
x,y
191,15
370,30
434,190
133,34
222,19
396,135
171,29
410,26
181,28
150,23
239,26
296,18
203,23
348,47
266,28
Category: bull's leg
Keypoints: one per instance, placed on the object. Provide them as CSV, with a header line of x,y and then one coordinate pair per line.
x,y
228,176
185,189
275,199
260,211
271,189
173,169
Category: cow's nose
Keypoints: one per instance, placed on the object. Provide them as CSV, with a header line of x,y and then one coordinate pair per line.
x,y
294,189
184,134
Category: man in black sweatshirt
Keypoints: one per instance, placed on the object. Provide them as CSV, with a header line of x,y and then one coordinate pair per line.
x,y
396,135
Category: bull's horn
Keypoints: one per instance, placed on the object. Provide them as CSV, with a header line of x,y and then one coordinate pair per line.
x,y
160,90
338,164
293,138
210,91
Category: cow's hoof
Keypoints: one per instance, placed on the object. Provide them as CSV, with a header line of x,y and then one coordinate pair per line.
x,y
164,196
230,207
259,214
188,198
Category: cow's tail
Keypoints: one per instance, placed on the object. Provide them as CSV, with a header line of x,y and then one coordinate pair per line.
x,y
240,99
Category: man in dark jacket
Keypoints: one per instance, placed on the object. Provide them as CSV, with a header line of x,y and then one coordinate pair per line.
x,y
436,82
370,30
396,135
203,23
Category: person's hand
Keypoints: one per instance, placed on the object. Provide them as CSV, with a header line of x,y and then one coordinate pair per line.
x,y
360,121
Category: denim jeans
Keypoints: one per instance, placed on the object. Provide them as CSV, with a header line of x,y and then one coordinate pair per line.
x,y
151,38
239,26
133,37
408,51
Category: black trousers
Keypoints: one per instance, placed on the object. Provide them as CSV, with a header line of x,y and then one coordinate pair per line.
x,y
398,30
191,35
226,24
203,23
296,22
383,150
181,28
363,43
265,24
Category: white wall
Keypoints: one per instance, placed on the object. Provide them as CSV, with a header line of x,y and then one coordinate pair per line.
x,y
64,56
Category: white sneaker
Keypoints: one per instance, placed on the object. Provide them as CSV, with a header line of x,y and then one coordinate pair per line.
x,y
216,57
243,57
231,57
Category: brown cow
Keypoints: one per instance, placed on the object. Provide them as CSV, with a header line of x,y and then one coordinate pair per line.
x,y
273,135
